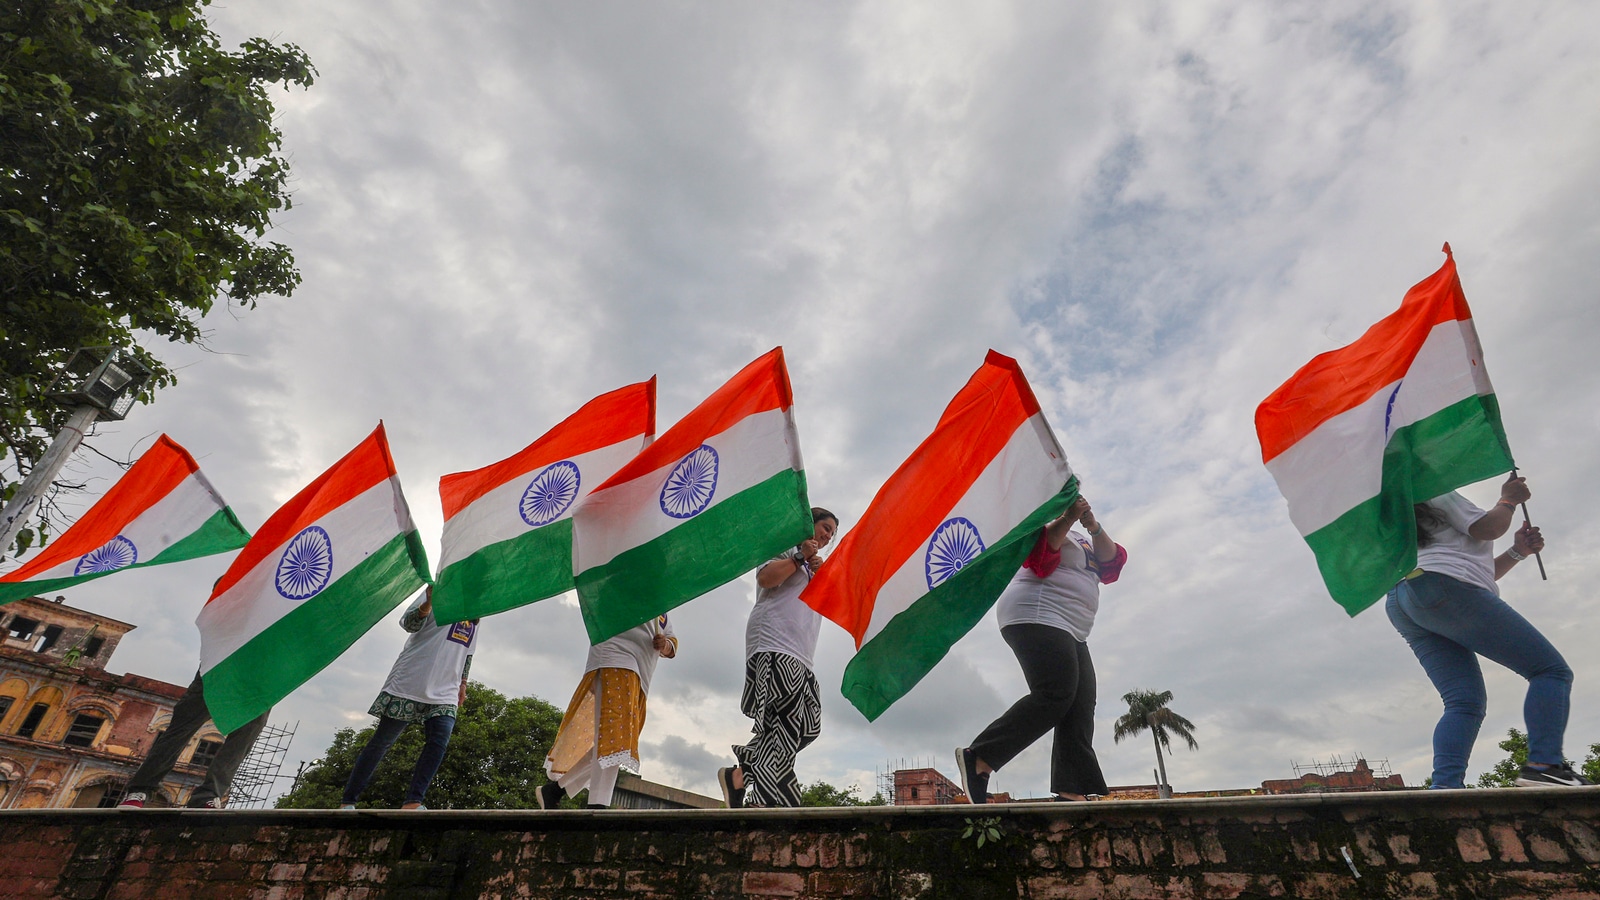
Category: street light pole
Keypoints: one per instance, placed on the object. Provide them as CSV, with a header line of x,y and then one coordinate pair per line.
x,y
96,383
33,488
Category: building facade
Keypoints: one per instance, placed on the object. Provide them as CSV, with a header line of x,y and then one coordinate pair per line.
x,y
72,733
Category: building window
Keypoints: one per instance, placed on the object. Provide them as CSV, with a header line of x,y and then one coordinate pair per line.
x,y
5,706
92,648
52,633
21,628
114,793
31,723
85,728
204,753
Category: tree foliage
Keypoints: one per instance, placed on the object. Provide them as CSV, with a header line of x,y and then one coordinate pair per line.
x,y
139,170
1505,772
821,793
495,759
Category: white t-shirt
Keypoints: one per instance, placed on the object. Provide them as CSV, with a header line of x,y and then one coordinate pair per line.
x,y
781,622
633,649
1067,598
1453,551
431,664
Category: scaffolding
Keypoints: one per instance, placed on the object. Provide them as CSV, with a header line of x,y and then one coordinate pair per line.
x,y
886,778
253,783
1336,764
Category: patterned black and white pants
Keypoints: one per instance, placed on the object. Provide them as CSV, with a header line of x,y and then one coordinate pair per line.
x,y
780,693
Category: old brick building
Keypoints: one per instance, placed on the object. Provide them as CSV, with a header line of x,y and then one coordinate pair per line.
x,y
70,732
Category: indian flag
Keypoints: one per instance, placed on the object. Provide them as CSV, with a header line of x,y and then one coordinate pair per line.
x,y
944,535
715,496
161,510
508,527
326,567
1360,434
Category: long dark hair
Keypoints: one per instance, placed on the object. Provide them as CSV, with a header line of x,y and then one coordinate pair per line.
x,y
1429,521
818,514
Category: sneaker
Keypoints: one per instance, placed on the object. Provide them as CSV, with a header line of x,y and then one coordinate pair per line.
x,y
347,806
550,795
732,795
213,803
134,800
1554,776
975,783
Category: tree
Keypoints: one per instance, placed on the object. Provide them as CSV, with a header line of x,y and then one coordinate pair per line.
x,y
1148,710
139,171
495,760
821,793
1505,772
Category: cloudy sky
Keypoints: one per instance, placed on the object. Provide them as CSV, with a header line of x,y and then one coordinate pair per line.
x,y
503,209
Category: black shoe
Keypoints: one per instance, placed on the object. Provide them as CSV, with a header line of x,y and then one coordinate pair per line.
x,y
550,795
732,795
975,783
1554,776
597,806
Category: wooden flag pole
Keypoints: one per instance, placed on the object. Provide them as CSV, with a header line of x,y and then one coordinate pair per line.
x,y
1539,558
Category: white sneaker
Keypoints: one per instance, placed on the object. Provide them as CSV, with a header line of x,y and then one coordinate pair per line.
x,y
134,800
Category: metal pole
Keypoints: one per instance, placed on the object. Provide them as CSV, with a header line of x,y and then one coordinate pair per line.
x,y
44,472
1539,557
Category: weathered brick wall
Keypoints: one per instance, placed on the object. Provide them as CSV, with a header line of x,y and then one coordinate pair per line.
x,y
1458,844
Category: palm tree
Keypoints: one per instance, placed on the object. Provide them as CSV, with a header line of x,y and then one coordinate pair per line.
x,y
1148,709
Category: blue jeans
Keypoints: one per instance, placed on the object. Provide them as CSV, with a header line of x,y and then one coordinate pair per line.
x,y
1448,624
436,738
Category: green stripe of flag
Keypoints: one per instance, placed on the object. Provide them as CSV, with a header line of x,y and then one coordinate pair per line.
x,y
912,643
298,646
1363,553
220,534
703,553
506,575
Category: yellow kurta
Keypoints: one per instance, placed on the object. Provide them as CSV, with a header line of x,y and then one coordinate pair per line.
x,y
600,731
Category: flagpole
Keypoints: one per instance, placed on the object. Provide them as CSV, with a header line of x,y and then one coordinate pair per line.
x,y
1539,558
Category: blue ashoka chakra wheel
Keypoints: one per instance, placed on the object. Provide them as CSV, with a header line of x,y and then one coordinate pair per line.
x,y
691,485
117,553
306,566
550,493
954,544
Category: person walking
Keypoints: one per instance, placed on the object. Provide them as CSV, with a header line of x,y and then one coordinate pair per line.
x,y
780,690
1450,612
599,734
427,686
1045,616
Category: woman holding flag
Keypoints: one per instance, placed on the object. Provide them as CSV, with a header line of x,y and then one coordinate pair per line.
x,y
1449,610
780,690
599,735
1045,616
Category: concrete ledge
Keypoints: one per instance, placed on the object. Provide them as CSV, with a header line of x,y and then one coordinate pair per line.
x,y
1436,844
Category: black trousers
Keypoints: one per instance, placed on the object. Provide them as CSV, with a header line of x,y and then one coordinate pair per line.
x,y
188,716
1061,694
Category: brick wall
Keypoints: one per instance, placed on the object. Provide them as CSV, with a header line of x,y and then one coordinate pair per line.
x,y
1459,844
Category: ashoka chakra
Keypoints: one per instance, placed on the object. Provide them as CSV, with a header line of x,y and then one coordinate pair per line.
x,y
117,553
954,544
306,566
550,494
691,485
